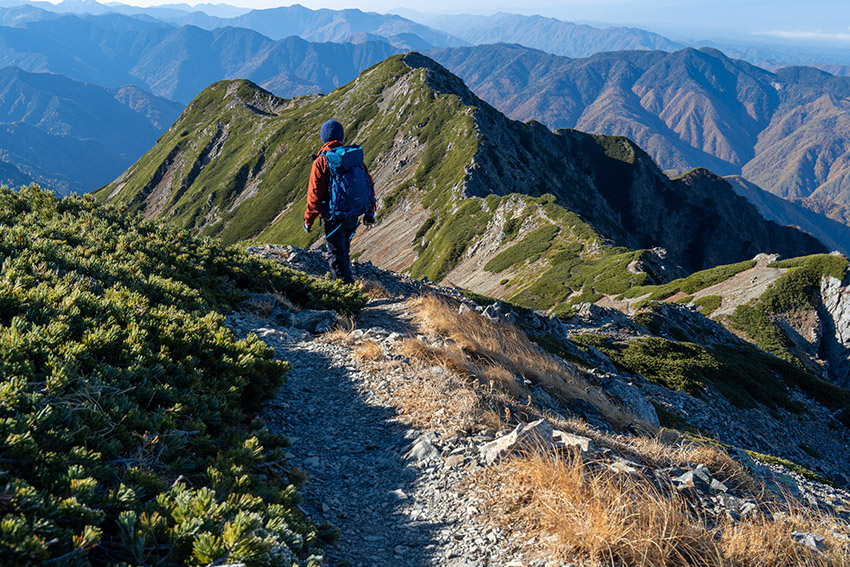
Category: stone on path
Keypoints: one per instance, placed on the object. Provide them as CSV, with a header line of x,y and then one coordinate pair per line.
x,y
537,436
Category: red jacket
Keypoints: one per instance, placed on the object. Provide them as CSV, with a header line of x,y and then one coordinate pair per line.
x,y
318,190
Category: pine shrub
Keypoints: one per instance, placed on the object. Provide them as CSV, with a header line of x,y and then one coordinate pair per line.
x,y
125,401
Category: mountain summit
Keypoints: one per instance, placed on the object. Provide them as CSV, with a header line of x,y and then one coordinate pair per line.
x,y
458,185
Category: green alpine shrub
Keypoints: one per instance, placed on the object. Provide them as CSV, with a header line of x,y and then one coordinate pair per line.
x,y
125,401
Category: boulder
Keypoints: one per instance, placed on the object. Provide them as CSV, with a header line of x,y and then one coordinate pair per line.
x,y
530,437
630,398
692,479
314,321
584,444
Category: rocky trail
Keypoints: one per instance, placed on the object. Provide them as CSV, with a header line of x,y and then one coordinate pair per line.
x,y
384,484
401,487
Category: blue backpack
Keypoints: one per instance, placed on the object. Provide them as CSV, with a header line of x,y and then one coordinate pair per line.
x,y
349,187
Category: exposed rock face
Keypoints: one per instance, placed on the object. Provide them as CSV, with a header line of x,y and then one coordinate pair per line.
x,y
835,316
529,437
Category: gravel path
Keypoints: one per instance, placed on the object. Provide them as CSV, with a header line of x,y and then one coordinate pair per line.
x,y
392,508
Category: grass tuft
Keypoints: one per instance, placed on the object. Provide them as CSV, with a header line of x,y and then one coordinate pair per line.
x,y
587,513
475,344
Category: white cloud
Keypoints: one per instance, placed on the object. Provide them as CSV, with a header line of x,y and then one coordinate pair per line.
x,y
806,35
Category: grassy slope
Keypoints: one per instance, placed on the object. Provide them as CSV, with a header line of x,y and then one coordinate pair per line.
x,y
285,141
125,402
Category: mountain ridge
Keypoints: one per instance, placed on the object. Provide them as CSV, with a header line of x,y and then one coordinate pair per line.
x,y
692,108
451,171
72,136
178,62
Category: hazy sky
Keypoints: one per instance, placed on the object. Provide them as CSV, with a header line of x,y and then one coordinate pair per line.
x,y
828,20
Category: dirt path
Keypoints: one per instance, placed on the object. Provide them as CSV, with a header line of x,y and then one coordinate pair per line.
x,y
392,508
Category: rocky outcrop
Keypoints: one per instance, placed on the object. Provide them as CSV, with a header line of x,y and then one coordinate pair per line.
x,y
834,313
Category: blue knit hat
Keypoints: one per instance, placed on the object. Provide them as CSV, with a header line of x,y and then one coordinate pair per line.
x,y
332,130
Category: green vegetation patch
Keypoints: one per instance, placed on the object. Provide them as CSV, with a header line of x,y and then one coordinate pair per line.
x,y
709,304
511,228
125,401
451,237
528,249
691,284
799,288
617,147
800,285
743,375
593,277
754,322
790,465
678,366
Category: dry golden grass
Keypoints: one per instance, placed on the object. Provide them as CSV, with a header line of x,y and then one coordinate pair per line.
x,y
477,346
341,334
434,399
368,351
338,336
590,514
263,305
375,290
258,306
688,453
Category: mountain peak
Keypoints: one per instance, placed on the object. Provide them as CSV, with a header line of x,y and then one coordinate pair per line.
x,y
441,80
450,172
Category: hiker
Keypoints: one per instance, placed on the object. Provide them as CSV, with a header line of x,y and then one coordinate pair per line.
x,y
340,190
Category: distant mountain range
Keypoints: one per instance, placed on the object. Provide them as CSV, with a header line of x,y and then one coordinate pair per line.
x,y
687,108
549,34
70,136
788,132
175,62
411,29
276,23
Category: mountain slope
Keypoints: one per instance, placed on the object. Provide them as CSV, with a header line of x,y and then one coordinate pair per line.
x,y
687,109
70,136
458,184
793,309
125,320
831,231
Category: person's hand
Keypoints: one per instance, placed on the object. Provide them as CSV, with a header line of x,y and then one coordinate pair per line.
x,y
307,227
369,221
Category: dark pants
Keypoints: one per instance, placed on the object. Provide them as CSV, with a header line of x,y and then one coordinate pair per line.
x,y
338,235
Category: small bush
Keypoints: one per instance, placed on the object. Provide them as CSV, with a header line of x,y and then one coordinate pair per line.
x,y
528,249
